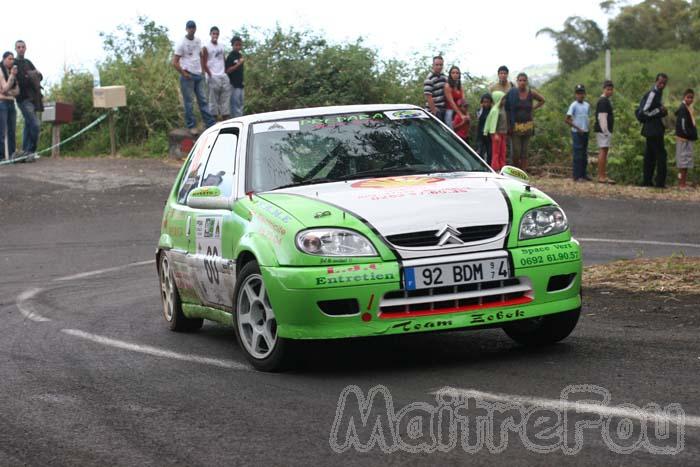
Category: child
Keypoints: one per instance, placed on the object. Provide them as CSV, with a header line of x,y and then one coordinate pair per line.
x,y
496,128
686,133
460,125
577,119
483,143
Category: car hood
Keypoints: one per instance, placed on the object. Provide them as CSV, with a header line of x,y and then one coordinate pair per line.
x,y
395,205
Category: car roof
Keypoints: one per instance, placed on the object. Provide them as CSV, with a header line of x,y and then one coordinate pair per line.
x,y
317,111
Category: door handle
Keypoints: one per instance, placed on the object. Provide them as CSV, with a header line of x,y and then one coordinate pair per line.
x,y
187,228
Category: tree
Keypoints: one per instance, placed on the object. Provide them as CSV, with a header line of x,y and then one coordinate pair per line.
x,y
656,24
577,43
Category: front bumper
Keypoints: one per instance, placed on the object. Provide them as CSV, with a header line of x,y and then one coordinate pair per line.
x,y
295,294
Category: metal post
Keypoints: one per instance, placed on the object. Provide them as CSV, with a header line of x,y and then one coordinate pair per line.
x,y
55,139
608,66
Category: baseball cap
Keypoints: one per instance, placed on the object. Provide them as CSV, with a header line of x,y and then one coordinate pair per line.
x,y
580,88
190,24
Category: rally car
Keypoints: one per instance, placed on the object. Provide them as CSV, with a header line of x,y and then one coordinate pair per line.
x,y
351,221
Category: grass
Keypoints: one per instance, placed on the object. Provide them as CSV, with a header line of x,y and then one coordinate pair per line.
x,y
670,275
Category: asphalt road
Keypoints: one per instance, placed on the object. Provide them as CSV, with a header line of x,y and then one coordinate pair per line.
x,y
90,375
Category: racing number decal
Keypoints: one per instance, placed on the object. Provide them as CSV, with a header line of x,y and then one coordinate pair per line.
x,y
210,265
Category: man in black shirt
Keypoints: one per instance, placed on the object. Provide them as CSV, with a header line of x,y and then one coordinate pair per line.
x,y
604,121
29,98
234,70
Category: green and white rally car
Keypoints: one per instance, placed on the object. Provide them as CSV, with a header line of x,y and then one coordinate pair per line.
x,y
359,221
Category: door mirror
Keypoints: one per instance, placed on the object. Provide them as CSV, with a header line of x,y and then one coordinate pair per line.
x,y
208,197
515,173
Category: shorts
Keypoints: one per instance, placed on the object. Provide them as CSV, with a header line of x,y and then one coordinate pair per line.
x,y
219,95
603,140
684,154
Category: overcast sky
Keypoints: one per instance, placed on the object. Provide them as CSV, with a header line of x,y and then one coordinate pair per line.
x,y
487,33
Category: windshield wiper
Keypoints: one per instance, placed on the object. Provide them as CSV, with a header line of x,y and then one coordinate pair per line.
x,y
310,181
387,171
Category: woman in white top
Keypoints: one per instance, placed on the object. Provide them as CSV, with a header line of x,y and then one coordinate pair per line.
x,y
8,114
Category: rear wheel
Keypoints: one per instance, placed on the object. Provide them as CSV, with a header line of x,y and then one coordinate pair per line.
x,y
543,330
256,324
172,306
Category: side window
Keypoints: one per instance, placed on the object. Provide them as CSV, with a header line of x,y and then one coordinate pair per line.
x,y
193,173
220,167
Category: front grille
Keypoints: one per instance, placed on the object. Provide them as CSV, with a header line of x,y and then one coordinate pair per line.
x,y
455,298
429,238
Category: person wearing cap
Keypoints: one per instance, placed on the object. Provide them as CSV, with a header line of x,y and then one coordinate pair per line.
x,y
188,62
234,70
604,122
577,118
217,81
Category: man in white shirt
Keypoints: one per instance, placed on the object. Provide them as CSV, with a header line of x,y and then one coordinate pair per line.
x,y
217,79
188,62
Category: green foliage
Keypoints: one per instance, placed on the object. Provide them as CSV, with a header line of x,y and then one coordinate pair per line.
x,y
656,24
633,73
140,60
578,42
297,69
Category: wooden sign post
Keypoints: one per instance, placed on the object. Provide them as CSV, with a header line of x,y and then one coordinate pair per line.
x,y
110,97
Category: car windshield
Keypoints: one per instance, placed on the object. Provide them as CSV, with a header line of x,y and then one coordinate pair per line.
x,y
350,146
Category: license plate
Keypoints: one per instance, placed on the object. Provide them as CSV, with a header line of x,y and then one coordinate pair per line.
x,y
468,272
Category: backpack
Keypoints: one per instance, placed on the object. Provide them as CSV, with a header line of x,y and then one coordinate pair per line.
x,y
639,113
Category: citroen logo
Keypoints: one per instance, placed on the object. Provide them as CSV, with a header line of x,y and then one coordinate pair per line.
x,y
448,234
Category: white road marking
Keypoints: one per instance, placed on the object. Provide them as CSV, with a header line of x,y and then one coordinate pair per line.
x,y
83,275
585,407
26,308
638,242
155,351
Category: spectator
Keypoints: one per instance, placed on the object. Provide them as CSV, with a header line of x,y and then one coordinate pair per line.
x,y
453,94
462,121
29,98
651,113
497,128
434,89
9,89
188,62
483,141
577,118
604,122
503,85
519,108
234,70
686,133
219,86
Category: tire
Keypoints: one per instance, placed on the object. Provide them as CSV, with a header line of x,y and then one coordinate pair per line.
x,y
544,330
170,298
255,323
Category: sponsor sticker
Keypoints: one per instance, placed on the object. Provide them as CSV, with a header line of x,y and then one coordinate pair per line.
x,y
406,114
268,127
397,182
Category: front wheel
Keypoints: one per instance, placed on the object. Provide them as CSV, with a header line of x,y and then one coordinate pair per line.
x,y
256,324
543,330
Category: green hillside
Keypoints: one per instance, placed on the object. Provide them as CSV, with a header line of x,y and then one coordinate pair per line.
x,y
633,72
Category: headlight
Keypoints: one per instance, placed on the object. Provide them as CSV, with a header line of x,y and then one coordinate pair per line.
x,y
334,242
540,222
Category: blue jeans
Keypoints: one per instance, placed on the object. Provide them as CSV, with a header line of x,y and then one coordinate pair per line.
x,y
237,102
580,141
30,134
8,126
195,85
